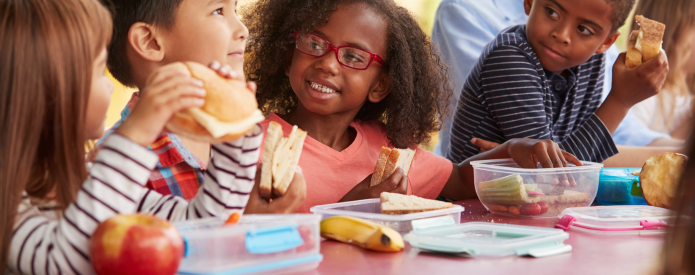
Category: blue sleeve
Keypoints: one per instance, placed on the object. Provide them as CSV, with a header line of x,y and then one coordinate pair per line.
x,y
460,35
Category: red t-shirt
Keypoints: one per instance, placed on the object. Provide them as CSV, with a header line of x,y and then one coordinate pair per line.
x,y
331,174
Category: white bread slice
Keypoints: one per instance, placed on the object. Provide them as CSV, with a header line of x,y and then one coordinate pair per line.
x,y
281,184
272,139
650,37
397,204
391,164
380,165
403,160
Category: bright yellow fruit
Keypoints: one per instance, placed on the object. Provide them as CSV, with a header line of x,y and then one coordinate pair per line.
x,y
362,233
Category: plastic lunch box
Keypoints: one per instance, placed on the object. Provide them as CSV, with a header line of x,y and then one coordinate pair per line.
x,y
256,244
498,184
617,186
486,239
617,219
370,209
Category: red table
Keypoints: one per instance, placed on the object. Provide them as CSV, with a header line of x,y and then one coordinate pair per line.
x,y
591,254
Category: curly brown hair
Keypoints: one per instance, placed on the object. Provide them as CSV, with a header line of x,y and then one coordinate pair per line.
x,y
418,79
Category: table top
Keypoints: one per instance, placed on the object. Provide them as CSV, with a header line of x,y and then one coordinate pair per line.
x,y
591,254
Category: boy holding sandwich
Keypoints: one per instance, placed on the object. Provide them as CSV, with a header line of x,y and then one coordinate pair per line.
x,y
151,34
543,80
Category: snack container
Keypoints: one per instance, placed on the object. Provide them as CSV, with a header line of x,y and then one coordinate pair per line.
x,y
505,188
486,239
617,186
370,209
256,244
616,219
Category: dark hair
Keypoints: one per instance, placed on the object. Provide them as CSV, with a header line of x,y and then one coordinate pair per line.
x,y
161,13
620,11
418,80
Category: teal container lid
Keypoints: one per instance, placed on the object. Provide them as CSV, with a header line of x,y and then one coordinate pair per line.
x,y
486,239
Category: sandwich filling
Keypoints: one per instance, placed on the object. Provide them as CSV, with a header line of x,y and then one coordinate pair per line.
x,y
218,128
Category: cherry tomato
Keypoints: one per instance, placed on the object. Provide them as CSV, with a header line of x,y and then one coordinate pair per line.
x,y
544,207
530,209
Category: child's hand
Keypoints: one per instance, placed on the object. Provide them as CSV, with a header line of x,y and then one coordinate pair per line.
x,y
227,72
396,183
288,203
529,152
170,90
633,85
484,144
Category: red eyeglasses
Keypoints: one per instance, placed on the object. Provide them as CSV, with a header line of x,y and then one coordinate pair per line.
x,y
348,56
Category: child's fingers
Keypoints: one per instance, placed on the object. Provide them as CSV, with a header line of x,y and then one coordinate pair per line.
x,y
185,102
390,183
402,187
175,92
294,197
484,144
172,84
571,158
544,159
168,73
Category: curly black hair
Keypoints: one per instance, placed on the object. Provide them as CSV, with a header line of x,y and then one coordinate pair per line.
x,y
418,79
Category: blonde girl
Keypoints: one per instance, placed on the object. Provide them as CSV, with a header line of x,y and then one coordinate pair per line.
x,y
53,98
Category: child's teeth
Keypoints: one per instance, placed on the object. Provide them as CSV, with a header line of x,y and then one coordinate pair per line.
x,y
321,88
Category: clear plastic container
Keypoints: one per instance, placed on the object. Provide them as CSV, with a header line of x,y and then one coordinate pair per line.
x,y
490,239
505,188
616,185
370,209
256,244
617,219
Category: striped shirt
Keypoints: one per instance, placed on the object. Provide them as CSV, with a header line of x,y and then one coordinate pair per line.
x,y
509,95
45,241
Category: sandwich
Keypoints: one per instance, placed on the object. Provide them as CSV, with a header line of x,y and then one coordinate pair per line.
x,y
644,44
280,159
397,204
388,161
230,109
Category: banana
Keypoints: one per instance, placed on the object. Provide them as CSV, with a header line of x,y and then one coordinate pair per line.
x,y
362,233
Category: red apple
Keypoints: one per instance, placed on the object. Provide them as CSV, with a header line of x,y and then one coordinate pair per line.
x,y
136,244
660,177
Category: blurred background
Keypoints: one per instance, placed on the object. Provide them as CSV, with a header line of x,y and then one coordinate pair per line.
x,y
423,10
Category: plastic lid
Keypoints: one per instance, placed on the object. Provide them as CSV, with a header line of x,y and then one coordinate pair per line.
x,y
489,239
616,218
508,165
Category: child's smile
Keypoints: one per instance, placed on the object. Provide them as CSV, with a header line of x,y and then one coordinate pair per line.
x,y
322,84
564,37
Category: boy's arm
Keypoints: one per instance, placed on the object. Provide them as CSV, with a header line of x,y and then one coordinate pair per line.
x,y
631,86
228,181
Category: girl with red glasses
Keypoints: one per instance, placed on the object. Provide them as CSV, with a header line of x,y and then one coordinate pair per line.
x,y
359,75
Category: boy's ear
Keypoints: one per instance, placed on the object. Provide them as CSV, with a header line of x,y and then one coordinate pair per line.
x,y
608,42
381,90
527,6
143,39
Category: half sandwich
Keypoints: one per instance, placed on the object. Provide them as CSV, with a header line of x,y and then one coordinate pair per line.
x,y
280,160
388,161
645,43
397,204
230,109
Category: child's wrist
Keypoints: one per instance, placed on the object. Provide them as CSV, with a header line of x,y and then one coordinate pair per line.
x,y
616,103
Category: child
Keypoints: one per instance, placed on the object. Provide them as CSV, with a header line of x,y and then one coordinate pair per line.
x,y
670,111
54,97
149,34
359,75
544,80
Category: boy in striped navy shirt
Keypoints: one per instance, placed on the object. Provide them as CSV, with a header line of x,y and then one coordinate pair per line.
x,y
543,80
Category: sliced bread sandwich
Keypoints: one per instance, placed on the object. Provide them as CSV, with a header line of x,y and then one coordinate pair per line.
x,y
397,204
